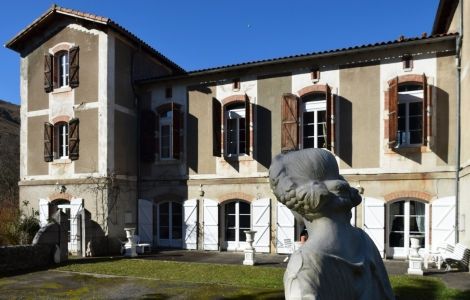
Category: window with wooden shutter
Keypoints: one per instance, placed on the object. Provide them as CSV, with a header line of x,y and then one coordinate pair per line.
x,y
74,67
48,140
177,128
330,111
147,136
289,122
74,139
247,125
216,127
48,68
393,113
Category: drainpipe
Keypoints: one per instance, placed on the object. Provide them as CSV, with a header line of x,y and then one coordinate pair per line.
x,y
458,131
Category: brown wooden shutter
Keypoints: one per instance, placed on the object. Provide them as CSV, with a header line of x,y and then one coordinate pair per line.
x,y
176,130
48,131
426,101
147,136
247,125
74,139
48,66
329,115
216,127
393,113
156,136
73,67
289,122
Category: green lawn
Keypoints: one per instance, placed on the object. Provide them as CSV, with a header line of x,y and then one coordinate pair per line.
x,y
244,282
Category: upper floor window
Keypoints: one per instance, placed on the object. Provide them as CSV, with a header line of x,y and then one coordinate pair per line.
x,y
307,122
61,69
161,133
409,118
314,121
236,130
61,140
410,115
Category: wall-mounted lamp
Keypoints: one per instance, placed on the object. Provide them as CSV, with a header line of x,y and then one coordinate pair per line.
x,y
201,191
360,189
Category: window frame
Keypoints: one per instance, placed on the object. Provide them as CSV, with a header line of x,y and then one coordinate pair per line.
x,y
62,75
176,132
403,99
61,140
315,106
239,113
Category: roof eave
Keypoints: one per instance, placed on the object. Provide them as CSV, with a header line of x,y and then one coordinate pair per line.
x,y
232,68
444,11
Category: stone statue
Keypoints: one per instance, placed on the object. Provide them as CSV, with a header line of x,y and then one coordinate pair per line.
x,y
338,261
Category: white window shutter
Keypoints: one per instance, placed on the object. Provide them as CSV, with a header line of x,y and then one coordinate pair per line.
x,y
43,212
374,222
285,229
76,208
443,221
146,221
211,225
353,216
261,216
190,224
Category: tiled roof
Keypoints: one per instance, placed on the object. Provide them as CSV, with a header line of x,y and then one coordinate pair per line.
x,y
306,55
93,18
400,41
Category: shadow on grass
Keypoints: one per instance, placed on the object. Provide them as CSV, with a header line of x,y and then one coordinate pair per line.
x,y
425,288
264,295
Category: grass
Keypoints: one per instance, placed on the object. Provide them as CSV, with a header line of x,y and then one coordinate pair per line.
x,y
189,281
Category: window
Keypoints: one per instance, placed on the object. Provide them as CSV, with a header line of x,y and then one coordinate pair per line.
x,y
170,224
237,220
407,62
166,136
168,92
236,84
315,74
409,118
61,140
61,69
62,62
410,115
314,122
236,130
307,122
169,131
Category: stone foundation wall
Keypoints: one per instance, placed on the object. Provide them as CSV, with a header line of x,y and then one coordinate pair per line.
x,y
25,257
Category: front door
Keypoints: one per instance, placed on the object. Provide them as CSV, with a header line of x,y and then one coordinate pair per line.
x,y
406,218
237,220
170,224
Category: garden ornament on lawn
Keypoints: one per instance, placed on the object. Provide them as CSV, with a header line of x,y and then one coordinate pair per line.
x,y
338,261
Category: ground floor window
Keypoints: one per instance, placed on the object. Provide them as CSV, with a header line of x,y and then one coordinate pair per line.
x,y
406,218
237,220
169,223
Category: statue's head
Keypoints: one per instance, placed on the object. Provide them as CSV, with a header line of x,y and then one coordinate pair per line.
x,y
308,182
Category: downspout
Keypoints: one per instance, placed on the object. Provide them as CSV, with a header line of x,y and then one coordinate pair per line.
x,y
458,131
138,146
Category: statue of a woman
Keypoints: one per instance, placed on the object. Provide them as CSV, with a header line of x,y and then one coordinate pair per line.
x,y
338,261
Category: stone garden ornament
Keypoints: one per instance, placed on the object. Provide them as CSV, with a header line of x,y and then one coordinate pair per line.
x,y
338,261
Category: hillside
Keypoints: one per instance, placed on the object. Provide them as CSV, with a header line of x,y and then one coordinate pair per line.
x,y
9,152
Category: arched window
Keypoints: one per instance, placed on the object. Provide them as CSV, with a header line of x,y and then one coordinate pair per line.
x,y
235,124
313,121
61,140
61,60
61,67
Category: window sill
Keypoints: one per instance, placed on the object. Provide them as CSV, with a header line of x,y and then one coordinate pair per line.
x,y
408,149
61,161
166,162
238,158
63,89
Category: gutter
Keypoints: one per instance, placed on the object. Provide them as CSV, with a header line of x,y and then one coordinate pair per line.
x,y
458,121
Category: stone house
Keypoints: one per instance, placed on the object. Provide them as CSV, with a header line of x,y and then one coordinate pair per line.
x,y
184,156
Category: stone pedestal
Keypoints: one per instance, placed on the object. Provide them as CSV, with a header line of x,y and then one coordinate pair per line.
x,y
249,250
130,246
415,262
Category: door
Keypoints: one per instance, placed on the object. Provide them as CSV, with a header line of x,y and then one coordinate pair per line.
x,y
406,218
170,224
146,221
43,212
190,224
76,209
443,221
374,222
237,216
261,210
211,224
285,229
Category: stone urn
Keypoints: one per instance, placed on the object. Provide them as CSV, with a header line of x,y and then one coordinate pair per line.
x,y
129,247
249,250
415,262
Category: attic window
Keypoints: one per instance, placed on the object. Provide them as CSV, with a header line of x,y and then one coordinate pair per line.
x,y
236,84
169,92
315,74
407,62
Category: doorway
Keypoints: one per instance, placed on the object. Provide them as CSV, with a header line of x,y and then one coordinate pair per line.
x,y
170,224
237,217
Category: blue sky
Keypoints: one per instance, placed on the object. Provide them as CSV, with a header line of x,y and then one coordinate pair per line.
x,y
208,33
